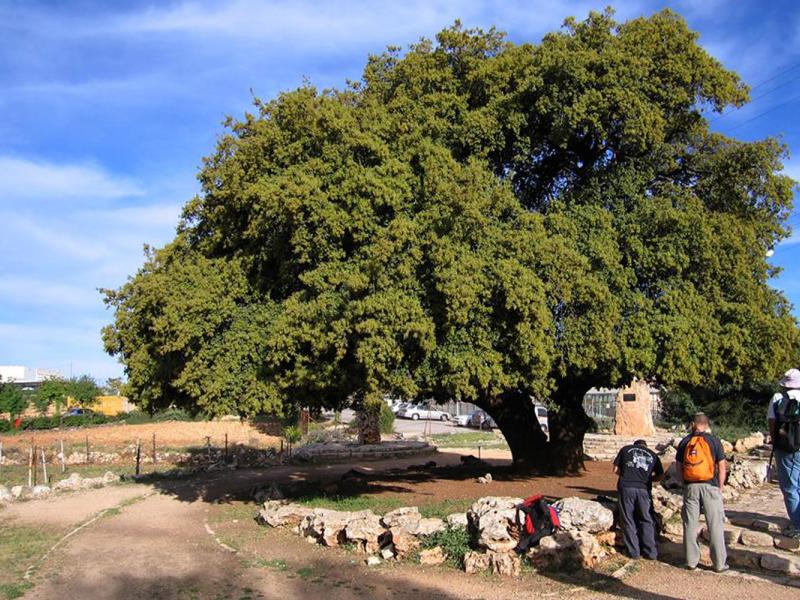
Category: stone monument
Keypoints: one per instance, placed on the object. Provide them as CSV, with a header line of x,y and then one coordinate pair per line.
x,y
634,415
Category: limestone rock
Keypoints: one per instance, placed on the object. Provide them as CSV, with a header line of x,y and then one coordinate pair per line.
x,y
403,542
110,477
491,520
764,525
746,444
727,447
668,454
433,556
73,482
584,515
756,538
455,520
366,532
634,417
373,561
485,479
673,527
504,563
279,513
476,562
567,547
17,491
407,517
787,543
5,494
429,526
387,552
783,564
325,526
92,483
40,491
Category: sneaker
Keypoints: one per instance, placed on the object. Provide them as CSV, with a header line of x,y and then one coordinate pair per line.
x,y
722,569
691,568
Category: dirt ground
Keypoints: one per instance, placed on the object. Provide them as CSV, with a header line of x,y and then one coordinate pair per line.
x,y
197,539
171,434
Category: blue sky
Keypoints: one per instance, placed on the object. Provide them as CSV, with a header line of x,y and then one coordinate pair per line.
x,y
106,109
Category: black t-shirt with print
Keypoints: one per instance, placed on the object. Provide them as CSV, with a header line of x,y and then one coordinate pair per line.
x,y
637,467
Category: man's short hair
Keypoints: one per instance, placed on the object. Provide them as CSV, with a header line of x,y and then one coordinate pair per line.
x,y
641,443
701,419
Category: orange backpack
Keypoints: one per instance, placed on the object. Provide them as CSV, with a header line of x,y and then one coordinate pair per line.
x,y
698,460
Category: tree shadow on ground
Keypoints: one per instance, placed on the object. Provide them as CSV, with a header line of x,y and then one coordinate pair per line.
x,y
364,477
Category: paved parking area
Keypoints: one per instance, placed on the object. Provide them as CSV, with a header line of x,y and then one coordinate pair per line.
x,y
410,427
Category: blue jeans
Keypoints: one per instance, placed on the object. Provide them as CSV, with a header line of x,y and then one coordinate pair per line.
x,y
789,479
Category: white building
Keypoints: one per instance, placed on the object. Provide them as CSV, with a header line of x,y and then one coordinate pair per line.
x,y
20,374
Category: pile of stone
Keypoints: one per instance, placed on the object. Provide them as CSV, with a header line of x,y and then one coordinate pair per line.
x,y
585,537
393,535
71,483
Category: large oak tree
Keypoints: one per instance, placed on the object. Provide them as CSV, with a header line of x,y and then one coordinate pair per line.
x,y
480,220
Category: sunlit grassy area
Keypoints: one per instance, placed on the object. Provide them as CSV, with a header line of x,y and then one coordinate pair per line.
x,y
470,439
20,547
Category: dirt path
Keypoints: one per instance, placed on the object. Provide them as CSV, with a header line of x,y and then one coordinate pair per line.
x,y
69,509
172,544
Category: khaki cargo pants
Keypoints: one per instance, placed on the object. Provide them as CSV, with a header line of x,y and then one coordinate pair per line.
x,y
710,496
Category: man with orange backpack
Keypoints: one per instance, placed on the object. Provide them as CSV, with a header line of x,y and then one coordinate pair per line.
x,y
701,466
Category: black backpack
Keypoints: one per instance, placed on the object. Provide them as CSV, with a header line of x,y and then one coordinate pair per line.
x,y
787,425
535,519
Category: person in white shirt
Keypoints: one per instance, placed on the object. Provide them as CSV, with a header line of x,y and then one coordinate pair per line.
x,y
783,417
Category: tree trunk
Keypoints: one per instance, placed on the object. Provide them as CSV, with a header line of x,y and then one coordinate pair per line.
x,y
368,420
567,429
515,415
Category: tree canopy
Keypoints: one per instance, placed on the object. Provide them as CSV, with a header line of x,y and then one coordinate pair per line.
x,y
474,219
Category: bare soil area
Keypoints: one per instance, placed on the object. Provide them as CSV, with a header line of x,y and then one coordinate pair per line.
x,y
197,539
171,434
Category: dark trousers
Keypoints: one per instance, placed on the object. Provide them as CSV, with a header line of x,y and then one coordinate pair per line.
x,y
636,515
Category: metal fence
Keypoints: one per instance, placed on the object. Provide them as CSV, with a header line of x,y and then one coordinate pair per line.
x,y
603,402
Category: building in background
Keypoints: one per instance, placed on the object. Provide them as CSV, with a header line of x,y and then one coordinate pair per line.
x,y
28,378
602,402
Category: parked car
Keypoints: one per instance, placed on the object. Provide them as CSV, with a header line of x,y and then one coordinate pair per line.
x,y
398,406
481,420
541,416
420,411
79,412
462,420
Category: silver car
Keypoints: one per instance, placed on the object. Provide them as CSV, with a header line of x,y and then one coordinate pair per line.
x,y
415,412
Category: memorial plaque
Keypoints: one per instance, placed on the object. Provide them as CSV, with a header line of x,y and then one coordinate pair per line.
x,y
629,397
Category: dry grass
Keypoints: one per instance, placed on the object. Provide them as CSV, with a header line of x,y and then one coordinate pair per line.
x,y
172,434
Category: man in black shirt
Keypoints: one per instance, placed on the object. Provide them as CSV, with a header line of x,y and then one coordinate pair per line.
x,y
638,467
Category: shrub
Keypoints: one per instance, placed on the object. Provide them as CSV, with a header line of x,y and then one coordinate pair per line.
x,y
5,425
386,419
292,433
677,407
454,542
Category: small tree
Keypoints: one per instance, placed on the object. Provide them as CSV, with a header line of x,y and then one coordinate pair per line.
x,y
12,400
52,391
82,390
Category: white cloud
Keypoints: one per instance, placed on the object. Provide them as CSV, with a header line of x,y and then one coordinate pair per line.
x,y
23,179
21,290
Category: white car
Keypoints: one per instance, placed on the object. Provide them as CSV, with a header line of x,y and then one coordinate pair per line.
x,y
415,412
462,420
541,416
398,406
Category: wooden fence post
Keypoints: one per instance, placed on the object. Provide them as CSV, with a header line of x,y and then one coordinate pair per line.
x,y
138,454
63,458
1,454
35,460
30,467
44,467
226,448
208,448
154,449
87,447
